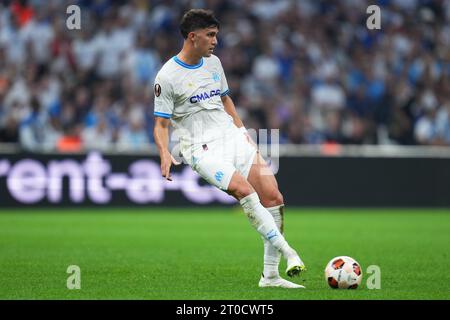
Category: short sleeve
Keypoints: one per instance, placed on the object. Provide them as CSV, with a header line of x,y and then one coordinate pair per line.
x,y
163,98
223,82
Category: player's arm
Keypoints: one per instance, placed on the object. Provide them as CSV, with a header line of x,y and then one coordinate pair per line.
x,y
163,111
161,136
229,107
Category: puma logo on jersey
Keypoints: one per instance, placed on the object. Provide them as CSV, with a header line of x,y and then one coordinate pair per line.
x,y
216,77
204,96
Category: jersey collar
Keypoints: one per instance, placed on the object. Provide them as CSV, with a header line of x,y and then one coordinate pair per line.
x,y
188,66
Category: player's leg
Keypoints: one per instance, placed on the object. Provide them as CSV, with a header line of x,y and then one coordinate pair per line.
x,y
224,176
260,218
214,165
264,182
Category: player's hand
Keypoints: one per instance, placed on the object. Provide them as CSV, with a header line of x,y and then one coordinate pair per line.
x,y
166,162
249,138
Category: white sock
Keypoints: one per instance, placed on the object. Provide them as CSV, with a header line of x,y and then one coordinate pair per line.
x,y
271,254
263,222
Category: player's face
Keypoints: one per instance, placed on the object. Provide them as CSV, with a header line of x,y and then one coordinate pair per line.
x,y
205,40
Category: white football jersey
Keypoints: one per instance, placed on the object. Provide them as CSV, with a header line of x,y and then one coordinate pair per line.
x,y
190,96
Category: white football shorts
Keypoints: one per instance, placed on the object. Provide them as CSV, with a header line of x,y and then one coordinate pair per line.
x,y
217,160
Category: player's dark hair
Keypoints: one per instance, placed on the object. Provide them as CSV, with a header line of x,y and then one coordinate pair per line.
x,y
196,19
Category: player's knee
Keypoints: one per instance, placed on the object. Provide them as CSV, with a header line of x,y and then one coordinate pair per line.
x,y
272,198
244,190
241,191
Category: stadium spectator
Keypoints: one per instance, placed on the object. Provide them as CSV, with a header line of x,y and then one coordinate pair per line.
x,y
98,136
133,136
309,68
70,140
9,133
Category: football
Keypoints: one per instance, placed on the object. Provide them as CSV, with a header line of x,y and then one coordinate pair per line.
x,y
343,273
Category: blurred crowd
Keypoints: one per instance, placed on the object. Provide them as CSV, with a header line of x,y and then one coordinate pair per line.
x,y
310,68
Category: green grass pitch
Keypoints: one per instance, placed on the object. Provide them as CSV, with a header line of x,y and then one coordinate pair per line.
x,y
209,253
